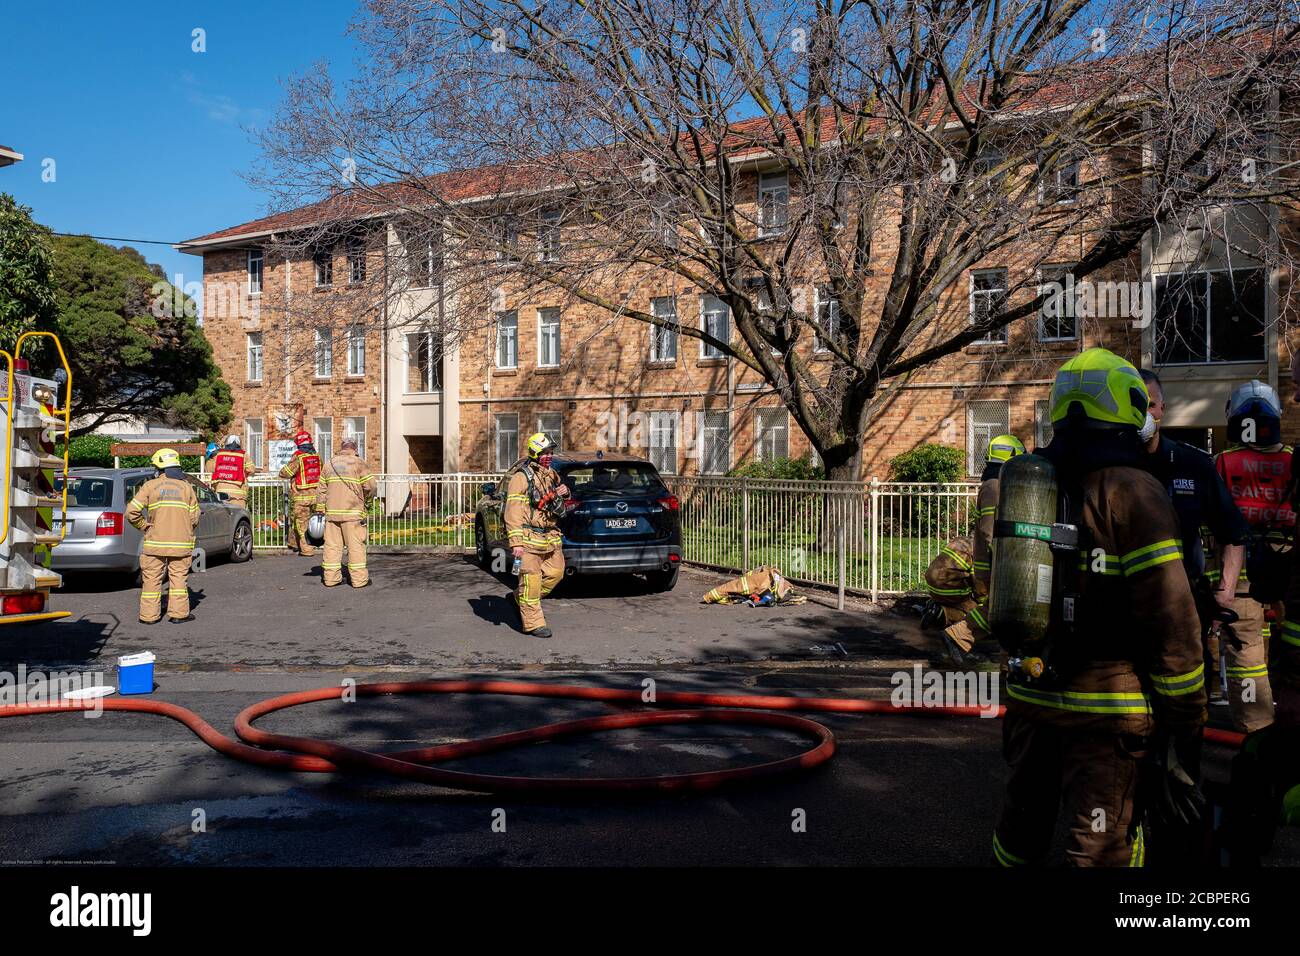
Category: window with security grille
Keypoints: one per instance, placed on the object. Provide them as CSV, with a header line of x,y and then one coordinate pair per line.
x,y
771,433
1042,423
715,443
553,424
984,422
663,441
988,299
507,440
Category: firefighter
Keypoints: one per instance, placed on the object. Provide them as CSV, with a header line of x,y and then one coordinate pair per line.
x,y
303,472
952,582
343,494
166,510
1256,467
1123,678
231,470
534,500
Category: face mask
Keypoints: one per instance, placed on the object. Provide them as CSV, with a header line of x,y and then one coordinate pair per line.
x,y
1148,429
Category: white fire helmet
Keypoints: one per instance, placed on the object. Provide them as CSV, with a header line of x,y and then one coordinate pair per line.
x,y
1255,397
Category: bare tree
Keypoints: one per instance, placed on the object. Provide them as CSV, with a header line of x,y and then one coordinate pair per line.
x,y
590,149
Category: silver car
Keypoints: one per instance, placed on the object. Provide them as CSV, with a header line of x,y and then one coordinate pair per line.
x,y
98,537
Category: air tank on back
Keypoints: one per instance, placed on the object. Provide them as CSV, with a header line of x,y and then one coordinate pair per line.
x,y
1020,592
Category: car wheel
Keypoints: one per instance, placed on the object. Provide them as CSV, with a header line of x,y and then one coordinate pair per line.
x,y
481,545
661,581
241,546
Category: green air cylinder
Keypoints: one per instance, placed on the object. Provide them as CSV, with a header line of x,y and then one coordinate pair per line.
x,y
1020,592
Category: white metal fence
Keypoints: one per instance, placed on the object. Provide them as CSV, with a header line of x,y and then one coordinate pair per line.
x,y
869,538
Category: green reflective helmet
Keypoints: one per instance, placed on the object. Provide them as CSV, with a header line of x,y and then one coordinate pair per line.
x,y
1005,447
1106,389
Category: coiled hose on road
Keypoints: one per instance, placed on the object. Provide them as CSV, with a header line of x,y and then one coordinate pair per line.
x,y
310,755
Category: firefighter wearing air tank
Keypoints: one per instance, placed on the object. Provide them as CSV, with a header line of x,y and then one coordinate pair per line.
x,y
1090,599
303,473
343,496
534,501
1256,467
231,470
166,510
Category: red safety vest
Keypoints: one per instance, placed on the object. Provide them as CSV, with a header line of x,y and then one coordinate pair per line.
x,y
1259,481
230,466
308,475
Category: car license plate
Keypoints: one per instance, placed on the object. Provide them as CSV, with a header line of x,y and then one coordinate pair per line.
x,y
620,523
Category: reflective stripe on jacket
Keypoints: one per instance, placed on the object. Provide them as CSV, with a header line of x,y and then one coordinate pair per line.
x,y
952,572
526,526
986,512
303,472
345,489
167,511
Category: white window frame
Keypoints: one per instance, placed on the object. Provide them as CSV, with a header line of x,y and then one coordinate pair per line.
x,y
819,344
661,337
771,433
254,438
323,448
705,431
324,353
708,351
356,256
544,317
356,432
1209,325
426,381
773,184
497,433
323,266
971,315
356,353
979,436
548,235
1042,318
556,433
1050,189
658,450
502,326
256,266
507,235
254,356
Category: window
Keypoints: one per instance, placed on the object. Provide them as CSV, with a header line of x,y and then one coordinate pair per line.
x,y
1057,322
423,251
984,422
548,338
773,204
253,440
254,348
553,424
1060,184
507,340
1042,423
828,320
663,339
507,239
507,441
663,225
988,298
423,370
324,353
355,429
323,437
715,320
663,441
771,433
324,263
356,261
357,352
255,264
1205,317
548,235
715,443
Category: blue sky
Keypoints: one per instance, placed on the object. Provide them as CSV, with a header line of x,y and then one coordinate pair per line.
x,y
149,137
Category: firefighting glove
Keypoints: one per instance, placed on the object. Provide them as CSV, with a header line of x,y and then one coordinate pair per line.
x,y
1175,800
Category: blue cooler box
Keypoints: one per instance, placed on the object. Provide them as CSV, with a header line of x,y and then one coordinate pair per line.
x,y
135,673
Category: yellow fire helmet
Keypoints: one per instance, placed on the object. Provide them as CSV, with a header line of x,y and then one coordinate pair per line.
x,y
1005,447
540,444
1106,389
166,458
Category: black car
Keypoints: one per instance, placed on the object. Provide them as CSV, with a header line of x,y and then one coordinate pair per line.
x,y
620,518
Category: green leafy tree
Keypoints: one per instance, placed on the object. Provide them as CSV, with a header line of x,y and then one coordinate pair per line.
x,y
132,341
26,272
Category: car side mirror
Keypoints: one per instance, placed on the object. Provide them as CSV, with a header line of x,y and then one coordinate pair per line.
x,y
489,489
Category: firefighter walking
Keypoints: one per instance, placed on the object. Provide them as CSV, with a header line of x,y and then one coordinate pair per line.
x,y
343,494
1116,688
534,500
231,470
303,472
166,510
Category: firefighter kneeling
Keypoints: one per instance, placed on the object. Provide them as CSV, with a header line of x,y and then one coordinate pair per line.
x,y
166,510
534,502
1090,599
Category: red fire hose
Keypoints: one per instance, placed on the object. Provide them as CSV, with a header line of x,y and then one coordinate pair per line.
x,y
307,754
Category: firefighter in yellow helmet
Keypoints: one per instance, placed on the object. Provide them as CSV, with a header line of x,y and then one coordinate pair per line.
x,y
343,495
1121,696
534,502
166,510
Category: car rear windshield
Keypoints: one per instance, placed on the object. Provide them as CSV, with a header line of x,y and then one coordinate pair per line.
x,y
88,492
615,478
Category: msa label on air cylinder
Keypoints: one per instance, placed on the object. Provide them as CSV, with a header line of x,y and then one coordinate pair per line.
x,y
1044,584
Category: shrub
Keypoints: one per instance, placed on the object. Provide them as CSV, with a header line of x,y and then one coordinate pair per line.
x,y
96,451
787,469
922,513
928,462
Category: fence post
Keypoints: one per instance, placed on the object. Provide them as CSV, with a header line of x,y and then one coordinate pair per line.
x,y
873,562
744,525
460,525
839,600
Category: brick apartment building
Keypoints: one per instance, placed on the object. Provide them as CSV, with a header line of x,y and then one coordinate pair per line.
x,y
591,378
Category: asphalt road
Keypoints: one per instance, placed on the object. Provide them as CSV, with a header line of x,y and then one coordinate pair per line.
x,y
127,789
